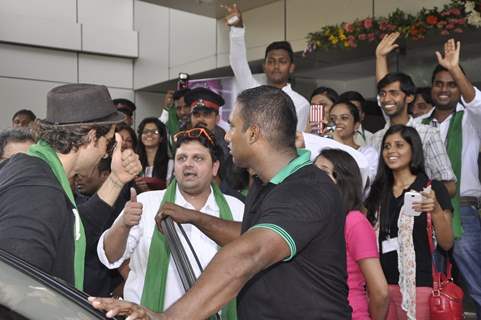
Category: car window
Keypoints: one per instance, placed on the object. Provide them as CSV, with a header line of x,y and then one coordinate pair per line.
x,y
24,297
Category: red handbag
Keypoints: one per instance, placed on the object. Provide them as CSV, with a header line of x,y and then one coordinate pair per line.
x,y
446,301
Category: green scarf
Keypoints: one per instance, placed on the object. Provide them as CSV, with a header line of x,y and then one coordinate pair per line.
x,y
454,146
153,294
172,123
45,152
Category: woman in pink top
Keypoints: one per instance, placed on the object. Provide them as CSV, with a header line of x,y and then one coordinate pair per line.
x,y
363,267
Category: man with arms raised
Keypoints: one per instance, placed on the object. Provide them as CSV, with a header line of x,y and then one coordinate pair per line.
x,y
287,259
278,65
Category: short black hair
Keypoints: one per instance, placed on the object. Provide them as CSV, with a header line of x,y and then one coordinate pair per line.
x,y
280,45
352,109
425,92
353,96
405,82
26,112
273,111
330,93
125,102
348,177
180,93
215,150
14,135
440,68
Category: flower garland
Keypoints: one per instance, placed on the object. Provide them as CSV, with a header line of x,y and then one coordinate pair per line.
x,y
455,17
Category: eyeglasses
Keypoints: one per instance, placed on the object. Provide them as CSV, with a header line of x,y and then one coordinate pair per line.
x,y
151,131
194,133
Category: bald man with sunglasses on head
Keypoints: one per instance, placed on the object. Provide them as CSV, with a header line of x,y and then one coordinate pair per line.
x,y
153,280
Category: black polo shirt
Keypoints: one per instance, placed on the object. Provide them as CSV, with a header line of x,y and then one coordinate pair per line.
x,y
305,209
389,261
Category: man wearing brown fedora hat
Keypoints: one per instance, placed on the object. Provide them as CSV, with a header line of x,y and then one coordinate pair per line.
x,y
39,219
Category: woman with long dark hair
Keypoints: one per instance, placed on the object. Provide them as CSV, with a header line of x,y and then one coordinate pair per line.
x,y
152,150
403,241
363,267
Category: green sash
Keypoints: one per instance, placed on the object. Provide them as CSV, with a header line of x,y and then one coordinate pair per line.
x,y
454,147
153,295
173,123
45,152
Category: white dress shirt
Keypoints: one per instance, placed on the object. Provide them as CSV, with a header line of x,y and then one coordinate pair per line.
x,y
470,185
140,236
315,144
245,80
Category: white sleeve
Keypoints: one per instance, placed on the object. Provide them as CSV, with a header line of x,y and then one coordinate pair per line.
x,y
236,207
315,144
473,111
132,242
238,59
164,116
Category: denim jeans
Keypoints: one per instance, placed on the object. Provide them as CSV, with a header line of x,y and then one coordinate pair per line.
x,y
467,254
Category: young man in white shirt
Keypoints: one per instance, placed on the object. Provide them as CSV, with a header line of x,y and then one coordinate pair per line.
x,y
278,65
195,166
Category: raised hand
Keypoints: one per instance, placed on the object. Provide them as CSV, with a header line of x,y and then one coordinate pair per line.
x,y
450,60
115,307
233,17
387,44
132,211
125,164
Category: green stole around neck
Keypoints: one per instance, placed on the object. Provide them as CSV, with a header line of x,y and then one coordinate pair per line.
x,y
45,152
454,147
153,295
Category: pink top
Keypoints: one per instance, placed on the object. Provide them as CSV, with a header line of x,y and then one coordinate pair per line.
x,y
360,244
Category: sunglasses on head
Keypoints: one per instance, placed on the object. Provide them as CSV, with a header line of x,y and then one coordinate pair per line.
x,y
194,133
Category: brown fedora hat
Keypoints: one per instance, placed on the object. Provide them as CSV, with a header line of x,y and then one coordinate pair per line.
x,y
81,103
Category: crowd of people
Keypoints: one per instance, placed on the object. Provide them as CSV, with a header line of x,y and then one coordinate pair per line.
x,y
283,215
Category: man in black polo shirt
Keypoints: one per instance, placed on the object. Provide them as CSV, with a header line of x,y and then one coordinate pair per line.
x,y
287,259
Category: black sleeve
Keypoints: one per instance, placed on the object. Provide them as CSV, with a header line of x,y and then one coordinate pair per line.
x,y
298,214
95,214
31,229
442,195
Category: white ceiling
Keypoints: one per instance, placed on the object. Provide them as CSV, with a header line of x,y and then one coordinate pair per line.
x,y
209,8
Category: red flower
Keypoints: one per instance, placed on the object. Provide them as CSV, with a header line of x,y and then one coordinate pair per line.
x,y
371,37
458,30
455,12
450,26
432,20
367,23
362,36
445,32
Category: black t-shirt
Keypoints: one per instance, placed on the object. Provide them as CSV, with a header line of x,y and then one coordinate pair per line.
x,y
389,261
312,284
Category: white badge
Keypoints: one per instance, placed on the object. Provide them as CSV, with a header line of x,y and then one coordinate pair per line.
x,y
390,245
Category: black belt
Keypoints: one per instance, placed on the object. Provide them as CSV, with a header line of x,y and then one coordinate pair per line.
x,y
470,201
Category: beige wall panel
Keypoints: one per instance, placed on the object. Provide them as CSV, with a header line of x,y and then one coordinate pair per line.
x,y
192,39
222,37
23,94
112,72
152,25
37,63
114,14
118,42
223,60
194,67
43,31
148,105
263,26
304,16
384,7
46,9
366,86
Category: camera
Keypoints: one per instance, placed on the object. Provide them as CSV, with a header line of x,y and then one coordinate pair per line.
x,y
182,81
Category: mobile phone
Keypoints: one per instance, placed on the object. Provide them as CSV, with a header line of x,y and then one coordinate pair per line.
x,y
316,115
409,198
